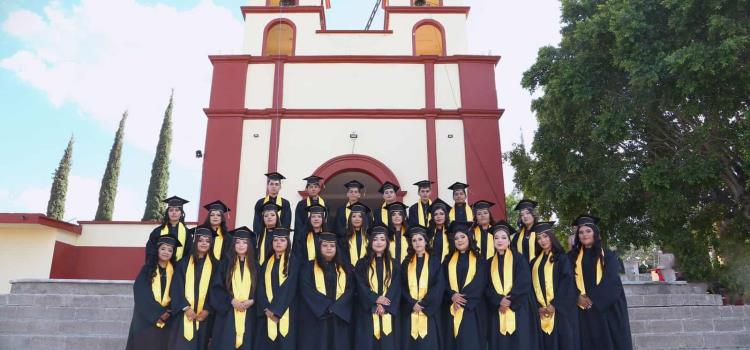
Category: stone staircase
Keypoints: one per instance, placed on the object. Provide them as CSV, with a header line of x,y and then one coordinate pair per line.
x,y
92,315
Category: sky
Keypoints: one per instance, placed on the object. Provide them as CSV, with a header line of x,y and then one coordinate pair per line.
x,y
71,68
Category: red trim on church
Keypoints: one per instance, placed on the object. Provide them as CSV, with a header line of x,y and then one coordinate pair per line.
x,y
38,219
422,113
356,59
359,163
432,22
352,31
270,25
103,263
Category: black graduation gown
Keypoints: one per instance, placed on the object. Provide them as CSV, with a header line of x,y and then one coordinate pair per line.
x,y
377,215
525,247
472,333
363,335
396,241
224,332
605,326
460,212
439,237
261,253
565,333
299,248
485,241
414,214
285,219
226,242
144,334
432,303
202,335
325,321
343,247
341,220
300,216
283,300
526,335
153,238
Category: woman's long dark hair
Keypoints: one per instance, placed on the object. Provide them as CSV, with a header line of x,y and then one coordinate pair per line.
x,y
207,222
153,261
165,217
309,222
337,262
410,252
557,248
392,228
432,226
519,222
287,253
194,250
472,244
232,263
350,227
476,223
597,247
371,255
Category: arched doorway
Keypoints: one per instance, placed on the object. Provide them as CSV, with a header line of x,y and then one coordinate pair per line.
x,y
335,192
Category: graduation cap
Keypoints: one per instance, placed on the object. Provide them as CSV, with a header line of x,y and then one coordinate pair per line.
x,y
542,227
217,205
482,204
281,232
417,230
423,184
354,184
327,237
358,207
204,231
313,180
270,206
377,229
275,176
316,208
503,225
169,239
176,202
242,232
439,204
460,226
458,186
585,220
396,206
388,185
526,204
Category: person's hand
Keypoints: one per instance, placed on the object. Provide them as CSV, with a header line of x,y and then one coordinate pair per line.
x,y
190,314
456,307
417,307
248,303
505,302
543,312
271,316
165,316
202,316
383,301
551,310
459,299
379,310
503,309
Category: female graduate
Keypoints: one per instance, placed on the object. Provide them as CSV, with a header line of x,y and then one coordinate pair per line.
x,y
421,294
149,329
461,211
525,241
512,321
190,294
306,244
353,246
270,214
172,223
602,308
554,291
464,272
398,228
483,221
217,222
326,287
276,327
378,294
233,294
438,229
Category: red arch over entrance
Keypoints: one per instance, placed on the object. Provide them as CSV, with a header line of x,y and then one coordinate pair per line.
x,y
360,163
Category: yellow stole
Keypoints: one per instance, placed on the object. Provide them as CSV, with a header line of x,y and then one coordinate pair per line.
x,y
156,289
242,283
320,201
218,243
262,247
278,202
353,255
579,273
348,212
445,249
181,235
386,318
507,319
310,246
490,242
420,213
532,242
404,246
544,299
384,214
469,213
189,327
417,291
320,280
458,315
283,326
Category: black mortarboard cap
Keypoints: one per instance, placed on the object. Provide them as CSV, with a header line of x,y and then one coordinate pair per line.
x,y
175,201
585,219
418,229
242,232
460,226
204,231
396,206
482,204
327,237
169,239
275,176
354,184
503,225
358,207
544,226
439,204
280,232
313,179
423,184
386,185
526,204
270,206
458,186
217,205
316,208
377,229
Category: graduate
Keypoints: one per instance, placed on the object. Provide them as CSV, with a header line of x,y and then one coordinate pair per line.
x,y
312,189
306,243
554,291
150,326
217,222
602,308
325,308
419,213
233,291
483,221
173,223
378,294
440,237
354,190
353,245
276,327
273,187
190,294
466,276
388,190
270,214
398,231
461,210
422,288
525,241
513,312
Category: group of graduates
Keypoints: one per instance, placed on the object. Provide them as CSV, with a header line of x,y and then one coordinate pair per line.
x,y
429,276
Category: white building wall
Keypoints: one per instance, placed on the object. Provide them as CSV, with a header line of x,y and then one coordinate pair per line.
x,y
451,159
447,86
253,164
259,90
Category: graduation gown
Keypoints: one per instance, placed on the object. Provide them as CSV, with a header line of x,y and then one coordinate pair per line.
x,y
564,335
414,214
472,329
440,242
398,245
432,303
153,238
364,335
382,211
283,304
526,335
226,242
144,334
304,246
342,219
485,241
300,215
325,319
285,215
359,239
605,326
459,213
524,247
202,334
224,332
263,244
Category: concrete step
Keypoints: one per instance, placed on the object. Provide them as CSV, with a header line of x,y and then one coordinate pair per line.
x,y
689,326
64,327
10,312
649,300
688,312
61,342
650,288
697,340
79,287
70,300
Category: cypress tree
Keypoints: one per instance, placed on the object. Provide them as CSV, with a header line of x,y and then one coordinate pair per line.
x,y
108,190
157,188
56,204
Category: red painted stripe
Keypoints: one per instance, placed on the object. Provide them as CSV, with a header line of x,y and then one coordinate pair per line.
x,y
105,263
356,59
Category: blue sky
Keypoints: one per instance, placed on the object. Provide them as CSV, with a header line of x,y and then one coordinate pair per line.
x,y
72,68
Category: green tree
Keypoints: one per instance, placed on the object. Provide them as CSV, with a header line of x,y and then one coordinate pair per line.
x,y
108,190
157,187
643,121
56,203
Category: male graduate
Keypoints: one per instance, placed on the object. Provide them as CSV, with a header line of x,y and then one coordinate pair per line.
x,y
354,191
313,188
388,190
419,213
273,187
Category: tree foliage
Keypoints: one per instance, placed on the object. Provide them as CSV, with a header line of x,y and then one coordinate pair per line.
x,y
157,187
56,203
108,190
